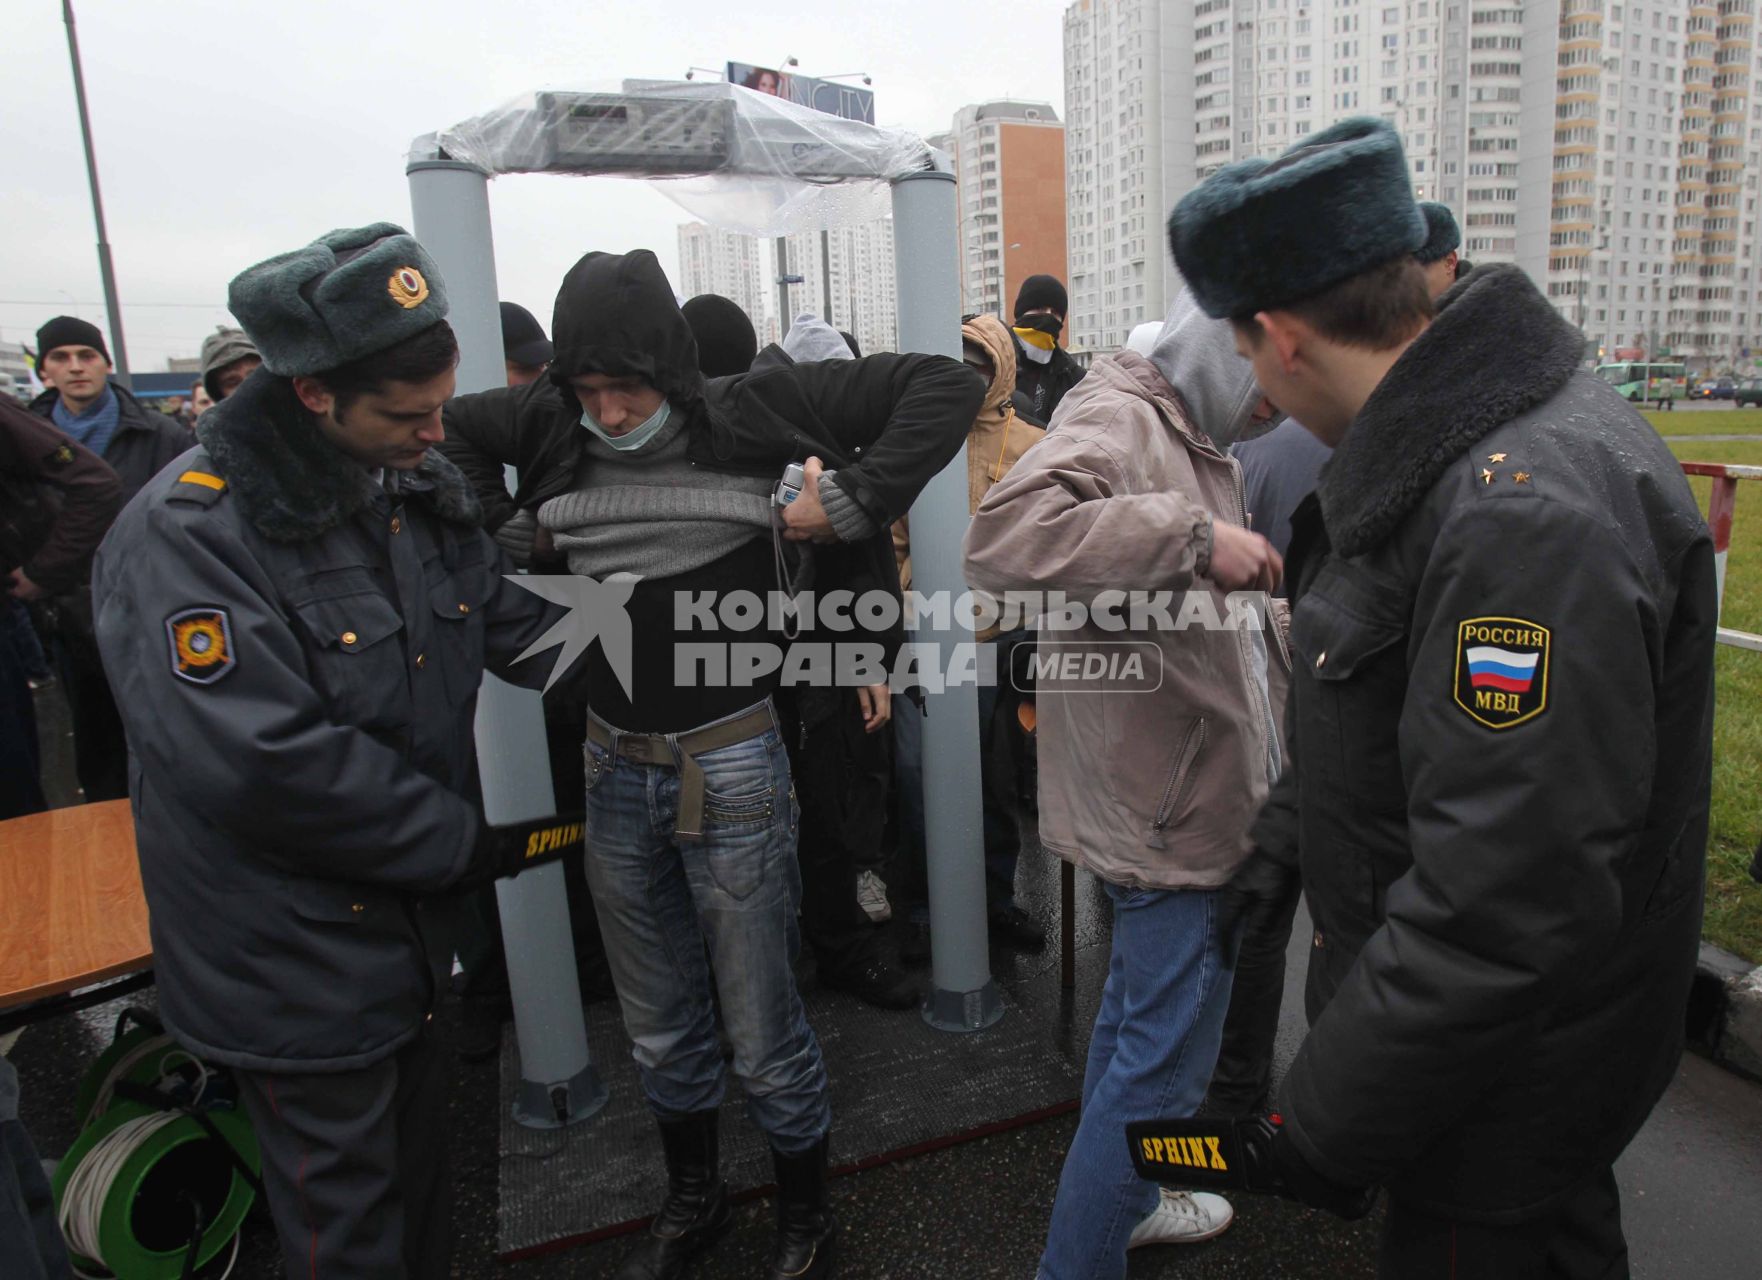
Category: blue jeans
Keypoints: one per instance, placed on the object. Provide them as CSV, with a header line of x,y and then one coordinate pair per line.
x,y
662,903
1155,1042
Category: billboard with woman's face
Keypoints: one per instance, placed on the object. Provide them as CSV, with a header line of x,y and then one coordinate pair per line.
x,y
822,95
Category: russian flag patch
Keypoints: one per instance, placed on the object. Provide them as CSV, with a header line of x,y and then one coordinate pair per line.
x,y
1501,670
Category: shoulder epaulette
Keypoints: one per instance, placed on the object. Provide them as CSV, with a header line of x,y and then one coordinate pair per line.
x,y
201,487
1500,472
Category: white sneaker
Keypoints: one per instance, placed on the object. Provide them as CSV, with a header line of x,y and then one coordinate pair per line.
x,y
1183,1217
872,897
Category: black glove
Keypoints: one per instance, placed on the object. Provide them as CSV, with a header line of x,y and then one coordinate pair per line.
x,y
1302,1181
1260,879
509,849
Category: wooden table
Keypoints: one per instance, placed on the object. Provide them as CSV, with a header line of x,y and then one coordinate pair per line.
x,y
71,909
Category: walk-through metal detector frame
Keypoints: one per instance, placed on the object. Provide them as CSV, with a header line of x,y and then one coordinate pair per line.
x,y
558,1083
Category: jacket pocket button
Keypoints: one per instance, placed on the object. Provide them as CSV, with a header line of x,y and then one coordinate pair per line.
x,y
1321,659
463,607
421,660
358,908
349,637
1318,937
397,524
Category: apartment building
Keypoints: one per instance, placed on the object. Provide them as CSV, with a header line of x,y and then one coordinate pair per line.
x,y
716,261
1010,160
1657,145
848,278
1610,149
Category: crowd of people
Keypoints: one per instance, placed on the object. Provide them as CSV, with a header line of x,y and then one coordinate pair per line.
x,y
1472,727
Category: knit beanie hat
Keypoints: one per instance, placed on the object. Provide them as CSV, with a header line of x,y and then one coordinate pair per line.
x,y
1042,291
70,331
726,343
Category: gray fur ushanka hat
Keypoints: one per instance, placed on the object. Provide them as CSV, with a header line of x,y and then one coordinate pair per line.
x,y
1442,234
1261,234
346,295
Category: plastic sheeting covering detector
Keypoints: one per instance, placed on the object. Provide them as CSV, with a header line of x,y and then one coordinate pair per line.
x,y
736,158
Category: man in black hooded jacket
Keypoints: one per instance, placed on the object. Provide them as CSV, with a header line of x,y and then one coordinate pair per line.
x,y
651,480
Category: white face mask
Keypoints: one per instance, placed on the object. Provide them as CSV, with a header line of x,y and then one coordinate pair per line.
x,y
637,436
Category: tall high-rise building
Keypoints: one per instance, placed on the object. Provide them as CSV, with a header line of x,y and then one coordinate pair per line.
x,y
848,279
1653,244
1010,160
1610,149
715,261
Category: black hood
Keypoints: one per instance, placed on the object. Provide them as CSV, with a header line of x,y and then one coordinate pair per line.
x,y
616,314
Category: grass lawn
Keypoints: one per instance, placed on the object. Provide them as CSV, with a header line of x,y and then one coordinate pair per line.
x,y
1734,901
1710,422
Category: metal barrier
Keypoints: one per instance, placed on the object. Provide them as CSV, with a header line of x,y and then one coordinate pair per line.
x,y
1721,506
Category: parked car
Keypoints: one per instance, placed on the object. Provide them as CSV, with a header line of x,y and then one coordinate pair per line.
x,y
1712,389
1748,392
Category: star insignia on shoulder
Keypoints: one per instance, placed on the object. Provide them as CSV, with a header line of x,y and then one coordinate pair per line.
x,y
1486,476
1497,457
1521,477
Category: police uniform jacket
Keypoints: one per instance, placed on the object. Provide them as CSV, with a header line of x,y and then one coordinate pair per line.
x,y
296,653
1501,719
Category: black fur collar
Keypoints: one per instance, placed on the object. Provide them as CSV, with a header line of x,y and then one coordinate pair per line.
x,y
291,483
1495,351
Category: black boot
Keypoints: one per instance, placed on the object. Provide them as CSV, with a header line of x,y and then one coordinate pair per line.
x,y
696,1210
806,1231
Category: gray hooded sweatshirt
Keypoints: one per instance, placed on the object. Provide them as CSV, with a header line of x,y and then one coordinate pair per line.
x,y
1153,783
811,338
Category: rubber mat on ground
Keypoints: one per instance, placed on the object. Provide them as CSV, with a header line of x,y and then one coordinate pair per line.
x,y
898,1087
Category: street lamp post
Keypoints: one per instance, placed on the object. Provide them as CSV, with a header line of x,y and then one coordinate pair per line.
x,y
118,350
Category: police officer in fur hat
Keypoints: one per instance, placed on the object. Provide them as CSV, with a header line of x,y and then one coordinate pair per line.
x,y
1500,723
1438,255
296,616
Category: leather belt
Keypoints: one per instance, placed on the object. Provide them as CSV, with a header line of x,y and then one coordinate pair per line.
x,y
680,751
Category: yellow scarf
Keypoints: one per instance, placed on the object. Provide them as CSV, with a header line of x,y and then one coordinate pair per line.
x,y
1035,338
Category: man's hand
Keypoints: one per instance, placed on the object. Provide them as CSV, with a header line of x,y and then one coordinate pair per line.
x,y
805,520
876,701
1243,561
1261,880
20,587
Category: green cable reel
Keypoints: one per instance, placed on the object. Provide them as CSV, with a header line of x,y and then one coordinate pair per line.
x,y
140,1037
144,1225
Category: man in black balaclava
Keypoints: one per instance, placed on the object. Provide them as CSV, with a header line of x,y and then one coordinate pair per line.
x,y
1044,370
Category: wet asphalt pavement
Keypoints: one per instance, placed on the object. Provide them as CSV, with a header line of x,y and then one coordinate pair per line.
x,y
1691,1182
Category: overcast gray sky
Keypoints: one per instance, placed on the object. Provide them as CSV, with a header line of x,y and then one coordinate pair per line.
x,y
229,131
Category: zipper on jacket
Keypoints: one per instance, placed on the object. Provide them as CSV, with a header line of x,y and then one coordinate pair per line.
x,y
1261,699
1177,783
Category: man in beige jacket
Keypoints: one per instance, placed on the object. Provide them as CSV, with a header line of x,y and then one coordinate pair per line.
x,y
1149,782
995,444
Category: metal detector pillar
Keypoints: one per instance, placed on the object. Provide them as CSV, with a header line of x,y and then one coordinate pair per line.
x,y
963,996
558,1083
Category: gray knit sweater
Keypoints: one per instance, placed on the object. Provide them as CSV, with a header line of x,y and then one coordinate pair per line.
x,y
652,513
